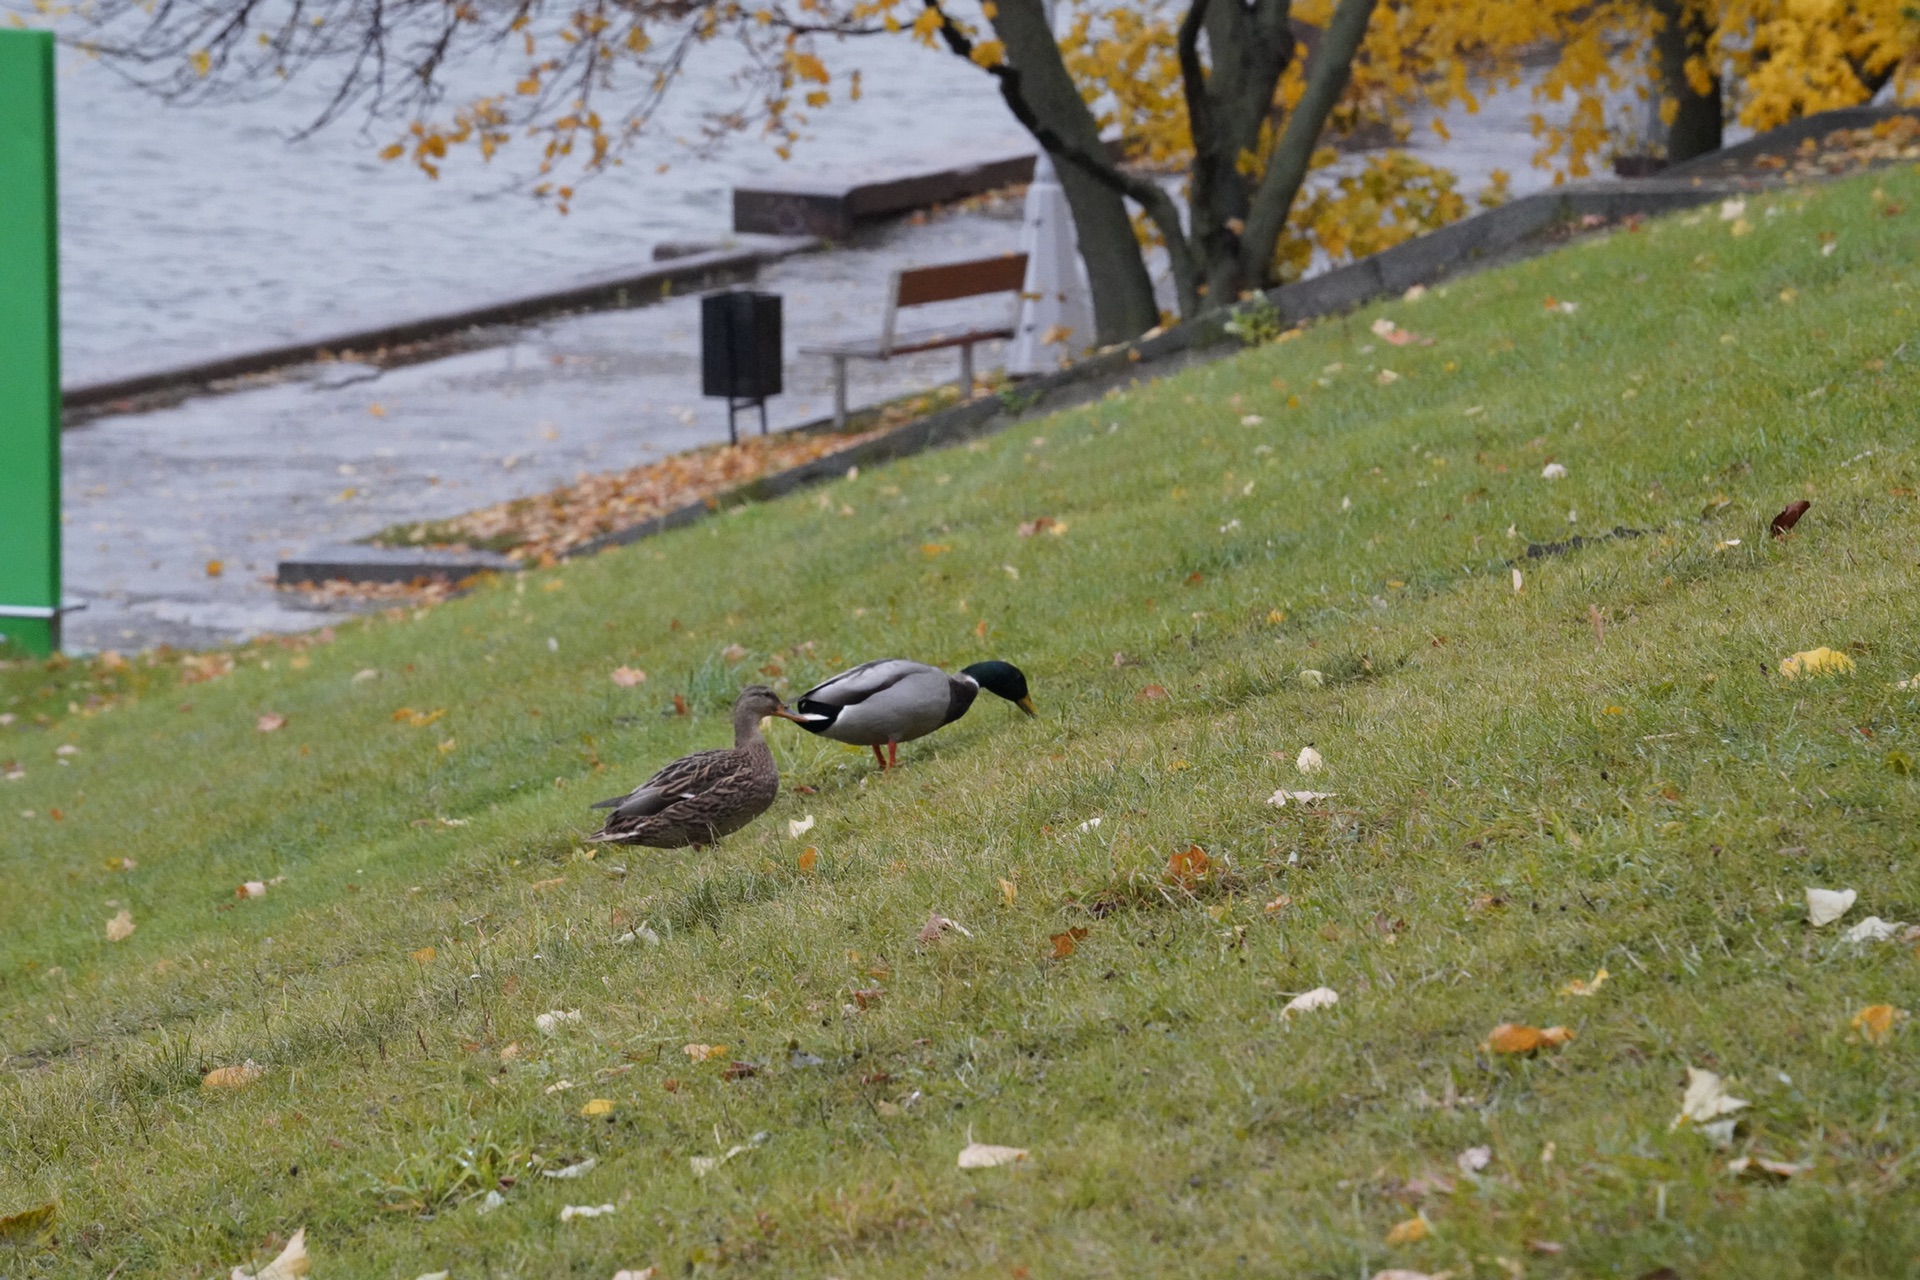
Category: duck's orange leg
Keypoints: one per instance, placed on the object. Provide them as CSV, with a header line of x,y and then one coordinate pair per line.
x,y
893,754
880,756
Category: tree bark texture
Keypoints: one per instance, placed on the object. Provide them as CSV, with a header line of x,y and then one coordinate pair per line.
x,y
1045,99
1698,121
1327,74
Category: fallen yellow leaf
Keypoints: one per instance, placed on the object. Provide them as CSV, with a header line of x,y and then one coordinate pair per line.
x,y
1511,1037
705,1052
598,1107
1816,662
1875,1022
425,955
1579,987
1009,892
1412,1231
233,1077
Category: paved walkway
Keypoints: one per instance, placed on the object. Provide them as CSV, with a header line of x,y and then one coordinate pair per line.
x,y
334,453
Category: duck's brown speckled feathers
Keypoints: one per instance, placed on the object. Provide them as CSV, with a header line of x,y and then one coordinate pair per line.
x,y
699,798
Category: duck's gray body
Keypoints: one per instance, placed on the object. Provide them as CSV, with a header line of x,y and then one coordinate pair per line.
x,y
887,701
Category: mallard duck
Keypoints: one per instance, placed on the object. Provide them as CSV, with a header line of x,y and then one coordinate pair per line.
x,y
709,794
892,700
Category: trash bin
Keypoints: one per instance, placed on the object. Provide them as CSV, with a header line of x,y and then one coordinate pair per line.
x,y
740,351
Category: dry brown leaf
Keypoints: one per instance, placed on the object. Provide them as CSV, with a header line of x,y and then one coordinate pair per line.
x,y
1411,1231
251,889
233,1077
417,719
938,924
1041,524
270,722
29,1225
290,1265
215,568
121,927
1152,693
627,677
1189,867
679,704
1064,943
809,858
1510,1037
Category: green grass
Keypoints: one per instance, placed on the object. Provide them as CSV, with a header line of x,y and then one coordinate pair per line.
x,y
1520,803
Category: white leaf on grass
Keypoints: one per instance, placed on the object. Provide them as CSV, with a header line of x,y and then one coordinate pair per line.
x,y
488,1203
291,1264
1474,1159
1089,825
550,1021
1760,1164
1731,209
983,1155
704,1165
1824,906
644,1273
569,1212
797,827
1311,678
1553,471
1518,582
121,927
580,1170
1309,760
639,933
1874,929
433,1275
1705,1101
1401,1273
1281,799
1318,998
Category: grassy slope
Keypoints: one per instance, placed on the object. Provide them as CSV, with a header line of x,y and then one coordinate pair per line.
x,y
1652,803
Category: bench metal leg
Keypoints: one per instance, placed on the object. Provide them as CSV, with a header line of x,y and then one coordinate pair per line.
x,y
966,371
839,393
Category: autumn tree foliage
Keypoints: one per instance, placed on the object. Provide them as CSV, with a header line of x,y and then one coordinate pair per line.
x,y
1222,110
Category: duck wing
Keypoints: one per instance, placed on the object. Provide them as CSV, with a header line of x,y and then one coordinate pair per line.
x,y
688,778
857,685
891,700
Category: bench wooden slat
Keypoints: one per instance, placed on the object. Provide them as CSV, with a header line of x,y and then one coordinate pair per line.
x,y
1004,274
908,343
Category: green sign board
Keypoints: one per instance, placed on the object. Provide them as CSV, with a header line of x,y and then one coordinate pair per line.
x,y
29,347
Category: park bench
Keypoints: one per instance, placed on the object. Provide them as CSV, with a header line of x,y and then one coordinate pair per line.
x,y
920,286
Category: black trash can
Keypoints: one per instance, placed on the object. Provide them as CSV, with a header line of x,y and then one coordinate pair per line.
x,y
740,351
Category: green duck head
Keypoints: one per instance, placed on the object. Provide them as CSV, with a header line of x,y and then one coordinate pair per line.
x,y
1004,679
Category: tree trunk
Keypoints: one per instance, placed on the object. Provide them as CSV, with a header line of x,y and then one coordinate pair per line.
x,y
1697,123
1248,47
1327,74
1123,301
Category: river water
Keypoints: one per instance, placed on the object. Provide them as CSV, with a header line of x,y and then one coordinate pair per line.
x,y
192,231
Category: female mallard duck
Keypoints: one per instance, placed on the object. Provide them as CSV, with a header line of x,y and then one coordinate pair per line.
x,y
892,701
709,794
